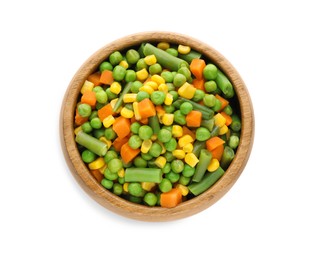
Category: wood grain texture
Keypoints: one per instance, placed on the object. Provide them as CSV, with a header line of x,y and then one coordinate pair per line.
x,y
126,208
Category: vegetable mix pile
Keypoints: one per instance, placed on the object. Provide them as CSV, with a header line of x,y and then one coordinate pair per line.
x,y
157,124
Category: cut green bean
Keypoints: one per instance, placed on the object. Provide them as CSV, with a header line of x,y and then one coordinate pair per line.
x,y
163,58
197,147
200,169
143,175
119,102
190,56
196,188
224,84
91,143
236,123
153,122
227,157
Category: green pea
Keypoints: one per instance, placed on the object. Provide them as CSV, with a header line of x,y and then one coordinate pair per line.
x,y
155,69
179,118
209,100
228,110
188,171
110,155
210,86
177,166
210,72
198,95
164,135
132,56
186,108
108,184
129,106
135,127
179,80
136,85
141,64
135,189
169,109
141,95
145,132
185,71
110,94
172,176
110,134
234,141
217,105
115,58
130,76
146,156
105,66
166,168
139,162
97,88
174,94
155,150
96,123
118,73
84,110
115,165
121,180
171,145
134,142
165,185
86,127
117,189
168,155
150,199
172,51
157,97
110,175
184,180
202,134
98,133
168,76
101,96
88,156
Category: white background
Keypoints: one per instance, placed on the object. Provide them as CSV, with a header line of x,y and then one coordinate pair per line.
x,y
46,215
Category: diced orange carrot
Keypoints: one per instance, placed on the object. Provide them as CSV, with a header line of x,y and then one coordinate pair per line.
x,y
122,126
144,121
196,67
227,117
119,142
94,78
106,77
89,97
217,152
224,102
213,142
146,108
199,84
127,153
105,111
194,118
97,175
171,198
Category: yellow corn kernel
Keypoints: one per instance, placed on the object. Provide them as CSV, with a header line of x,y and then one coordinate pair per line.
x,y
179,154
152,84
163,147
129,98
163,87
163,45
187,91
147,186
220,120
87,85
78,129
106,141
145,146
102,169
108,121
184,189
150,59
213,165
158,79
191,159
160,162
167,119
126,187
188,148
121,173
168,99
98,163
127,113
177,131
147,89
136,111
124,64
183,49
115,87
154,137
186,139
142,74
223,130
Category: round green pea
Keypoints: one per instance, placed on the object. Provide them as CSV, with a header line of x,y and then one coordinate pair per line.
x,y
110,155
157,97
185,71
150,199
179,80
165,185
164,135
210,86
188,171
179,118
141,64
155,69
168,76
117,189
139,162
110,175
186,108
105,66
209,100
141,95
172,176
134,142
110,134
171,145
115,165
118,73
177,166
135,127
135,189
136,85
101,96
210,72
145,132
155,150
115,58
132,56
130,76
172,51
202,134
198,95
86,127
108,184
96,123
88,156
84,110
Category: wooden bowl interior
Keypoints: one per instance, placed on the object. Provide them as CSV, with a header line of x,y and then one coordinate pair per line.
x,y
122,206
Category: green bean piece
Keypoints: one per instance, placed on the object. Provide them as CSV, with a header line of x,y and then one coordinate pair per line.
x,y
197,147
119,102
236,123
224,84
209,124
143,175
153,122
163,58
200,169
215,131
196,188
190,56
91,143
227,157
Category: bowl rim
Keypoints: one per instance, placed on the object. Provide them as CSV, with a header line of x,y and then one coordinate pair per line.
x,y
141,212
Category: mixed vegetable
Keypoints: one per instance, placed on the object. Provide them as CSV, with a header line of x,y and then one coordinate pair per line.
x,y
157,124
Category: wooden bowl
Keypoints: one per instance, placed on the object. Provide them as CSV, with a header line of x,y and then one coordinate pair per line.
x,y
122,206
